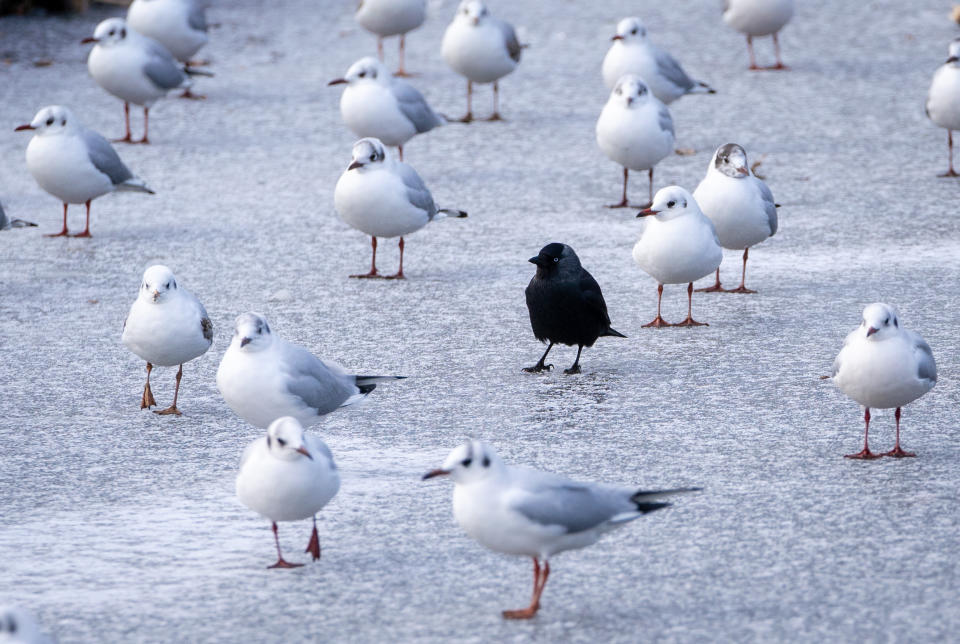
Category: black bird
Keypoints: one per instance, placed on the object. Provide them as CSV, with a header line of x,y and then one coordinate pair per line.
x,y
565,304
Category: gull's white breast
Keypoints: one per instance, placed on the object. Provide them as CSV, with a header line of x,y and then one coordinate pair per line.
x,y
943,101
758,17
391,17
374,201
736,208
60,163
254,386
477,52
166,21
679,250
633,137
638,59
168,332
119,70
370,109
881,374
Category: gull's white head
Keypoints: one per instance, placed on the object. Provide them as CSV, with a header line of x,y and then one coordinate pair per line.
x,y
158,283
630,30
18,626
473,11
285,439
110,32
53,119
252,333
468,463
630,91
367,69
367,152
669,203
880,321
731,160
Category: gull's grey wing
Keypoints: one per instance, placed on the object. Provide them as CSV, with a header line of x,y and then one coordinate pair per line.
x,y
314,382
666,121
837,362
509,38
105,158
769,206
417,191
317,446
927,366
197,16
670,69
575,507
414,106
206,327
161,67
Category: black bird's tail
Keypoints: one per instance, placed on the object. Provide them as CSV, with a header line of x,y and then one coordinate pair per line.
x,y
612,332
640,497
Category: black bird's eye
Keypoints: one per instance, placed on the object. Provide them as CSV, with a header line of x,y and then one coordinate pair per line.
x,y
466,462
556,259
282,442
50,121
671,204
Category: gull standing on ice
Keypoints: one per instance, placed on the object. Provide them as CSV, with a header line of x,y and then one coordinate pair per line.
x,y
288,475
167,326
263,377
178,25
757,18
633,53
885,366
739,204
134,68
526,512
635,130
679,244
391,18
481,48
943,100
384,198
74,164
375,104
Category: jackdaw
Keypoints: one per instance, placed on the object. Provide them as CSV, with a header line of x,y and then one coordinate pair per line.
x,y
565,304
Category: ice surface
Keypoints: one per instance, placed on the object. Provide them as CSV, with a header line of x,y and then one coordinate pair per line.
x,y
118,525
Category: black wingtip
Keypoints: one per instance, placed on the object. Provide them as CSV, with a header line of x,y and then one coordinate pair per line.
x,y
453,212
366,389
647,508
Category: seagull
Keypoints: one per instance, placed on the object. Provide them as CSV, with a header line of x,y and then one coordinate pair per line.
x,y
134,68
384,198
756,18
943,100
288,475
565,304
481,48
739,204
679,244
391,18
526,512
635,130
263,377
178,25
74,164
375,104
17,626
632,53
167,326
884,366
6,222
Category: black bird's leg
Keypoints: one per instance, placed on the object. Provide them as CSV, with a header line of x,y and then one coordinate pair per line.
x,y
576,363
537,368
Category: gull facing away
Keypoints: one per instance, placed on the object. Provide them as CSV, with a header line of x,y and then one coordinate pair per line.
x,y
375,104
74,164
17,626
288,475
383,197
739,204
134,68
885,366
943,100
482,49
263,377
167,326
388,18
635,130
526,512
178,25
679,244
565,304
633,53
758,18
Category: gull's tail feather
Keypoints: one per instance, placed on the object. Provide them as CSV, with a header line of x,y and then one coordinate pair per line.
x,y
135,184
366,384
20,223
612,332
452,213
193,71
641,496
701,88
370,380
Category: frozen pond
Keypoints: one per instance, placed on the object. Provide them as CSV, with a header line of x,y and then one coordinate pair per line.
x,y
119,525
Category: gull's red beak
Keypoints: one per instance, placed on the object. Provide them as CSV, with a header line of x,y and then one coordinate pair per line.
x,y
646,212
337,81
20,128
88,40
871,331
355,164
303,450
743,171
244,342
433,473
617,37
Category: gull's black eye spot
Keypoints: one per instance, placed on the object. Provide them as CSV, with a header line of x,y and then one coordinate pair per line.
x,y
362,74
50,121
634,30
466,462
373,157
167,285
887,321
111,32
123,33
671,204
486,461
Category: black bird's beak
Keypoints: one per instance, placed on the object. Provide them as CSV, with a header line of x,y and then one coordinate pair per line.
x,y
433,473
354,165
244,342
871,331
646,212
539,261
337,81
